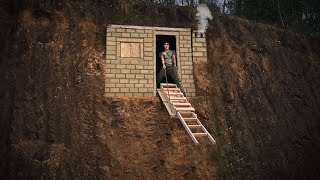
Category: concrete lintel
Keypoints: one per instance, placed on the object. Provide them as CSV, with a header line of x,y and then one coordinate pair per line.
x,y
149,27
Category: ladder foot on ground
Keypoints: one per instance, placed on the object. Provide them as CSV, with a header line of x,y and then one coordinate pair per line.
x,y
178,106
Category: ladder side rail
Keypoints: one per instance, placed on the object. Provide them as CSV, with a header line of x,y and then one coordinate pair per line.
x,y
164,94
167,96
187,128
204,129
173,110
163,97
166,103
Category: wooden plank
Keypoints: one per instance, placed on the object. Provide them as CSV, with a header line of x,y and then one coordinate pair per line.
x,y
163,97
181,104
187,129
184,114
178,98
204,129
211,138
179,101
195,126
209,135
184,109
173,93
200,134
164,85
168,85
166,104
170,89
190,119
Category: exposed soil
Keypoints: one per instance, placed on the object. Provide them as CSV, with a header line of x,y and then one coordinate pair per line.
x,y
145,143
56,122
258,95
266,100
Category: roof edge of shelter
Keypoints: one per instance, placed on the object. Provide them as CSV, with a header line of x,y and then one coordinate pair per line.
x,y
148,27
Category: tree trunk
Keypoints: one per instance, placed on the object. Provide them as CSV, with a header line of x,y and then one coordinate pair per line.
x,y
279,11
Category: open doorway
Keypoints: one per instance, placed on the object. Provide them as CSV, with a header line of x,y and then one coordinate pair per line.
x,y
160,39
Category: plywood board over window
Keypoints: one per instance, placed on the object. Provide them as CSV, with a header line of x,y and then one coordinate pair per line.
x,y
128,49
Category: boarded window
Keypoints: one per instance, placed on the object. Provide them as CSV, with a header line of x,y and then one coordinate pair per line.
x,y
130,49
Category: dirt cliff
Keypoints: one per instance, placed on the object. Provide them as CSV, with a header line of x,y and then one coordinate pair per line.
x,y
258,95
265,97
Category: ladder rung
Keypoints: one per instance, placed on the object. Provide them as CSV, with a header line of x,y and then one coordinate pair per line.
x,y
181,104
190,119
186,113
195,126
174,93
177,98
168,85
200,134
170,88
185,109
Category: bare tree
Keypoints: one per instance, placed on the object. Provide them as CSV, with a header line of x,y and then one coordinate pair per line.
x,y
279,11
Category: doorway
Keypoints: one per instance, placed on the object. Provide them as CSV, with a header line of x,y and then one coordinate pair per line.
x,y
160,40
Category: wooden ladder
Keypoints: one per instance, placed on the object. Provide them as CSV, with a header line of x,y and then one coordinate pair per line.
x,y
178,106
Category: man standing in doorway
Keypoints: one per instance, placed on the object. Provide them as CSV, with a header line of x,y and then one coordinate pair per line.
x,y
169,64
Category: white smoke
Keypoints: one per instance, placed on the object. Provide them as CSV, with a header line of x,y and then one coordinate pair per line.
x,y
203,15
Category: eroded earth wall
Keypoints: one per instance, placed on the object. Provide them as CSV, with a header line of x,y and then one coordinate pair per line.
x,y
265,93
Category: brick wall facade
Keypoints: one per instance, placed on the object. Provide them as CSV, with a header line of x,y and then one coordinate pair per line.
x,y
199,46
130,66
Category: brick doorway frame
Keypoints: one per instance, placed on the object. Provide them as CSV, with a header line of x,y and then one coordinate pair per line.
x,y
165,33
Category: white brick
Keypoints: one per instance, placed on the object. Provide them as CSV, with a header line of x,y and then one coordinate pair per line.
x,y
148,40
139,67
143,81
111,39
124,90
133,81
139,85
140,76
114,89
144,72
111,30
125,71
114,81
123,81
120,30
110,75
143,35
128,94
125,34
120,76
133,90
116,34
115,71
110,85
130,76
129,85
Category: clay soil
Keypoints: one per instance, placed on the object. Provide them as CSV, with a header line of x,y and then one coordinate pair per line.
x,y
57,124
265,98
